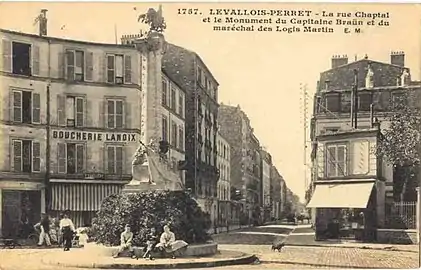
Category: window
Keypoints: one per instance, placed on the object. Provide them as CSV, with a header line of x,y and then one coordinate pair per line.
x,y
71,158
181,138
119,69
115,112
26,107
164,128
399,100
174,131
336,161
364,101
346,102
181,104
332,102
26,156
21,58
164,92
114,159
75,65
199,74
74,111
173,99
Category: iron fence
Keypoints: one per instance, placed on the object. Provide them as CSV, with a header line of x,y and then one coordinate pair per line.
x,y
401,215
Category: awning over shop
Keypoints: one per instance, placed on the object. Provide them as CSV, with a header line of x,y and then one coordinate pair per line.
x,y
343,195
81,197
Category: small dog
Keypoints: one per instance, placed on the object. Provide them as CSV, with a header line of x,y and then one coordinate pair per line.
x,y
277,246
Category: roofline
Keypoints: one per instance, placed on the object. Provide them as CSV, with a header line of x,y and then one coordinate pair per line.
x,y
172,81
361,60
196,55
49,38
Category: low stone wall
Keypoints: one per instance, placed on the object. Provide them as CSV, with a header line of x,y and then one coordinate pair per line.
x,y
396,236
197,250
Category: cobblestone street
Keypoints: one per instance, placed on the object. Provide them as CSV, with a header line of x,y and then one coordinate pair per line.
x,y
328,257
289,258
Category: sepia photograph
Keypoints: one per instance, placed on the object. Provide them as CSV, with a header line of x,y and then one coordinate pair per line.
x,y
200,135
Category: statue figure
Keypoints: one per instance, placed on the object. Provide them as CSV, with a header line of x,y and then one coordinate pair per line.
x,y
405,77
369,79
154,19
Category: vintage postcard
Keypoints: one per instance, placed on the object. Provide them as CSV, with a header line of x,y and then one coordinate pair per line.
x,y
148,135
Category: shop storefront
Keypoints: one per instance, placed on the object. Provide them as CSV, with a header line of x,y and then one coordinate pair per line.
x,y
82,199
345,211
21,206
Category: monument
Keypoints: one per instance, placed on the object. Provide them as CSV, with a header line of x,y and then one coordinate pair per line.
x,y
150,167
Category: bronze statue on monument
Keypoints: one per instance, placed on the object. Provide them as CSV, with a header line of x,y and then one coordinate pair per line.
x,y
154,19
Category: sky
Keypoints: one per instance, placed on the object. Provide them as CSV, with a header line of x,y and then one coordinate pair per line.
x,y
260,71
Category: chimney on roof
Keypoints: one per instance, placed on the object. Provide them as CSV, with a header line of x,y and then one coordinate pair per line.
x,y
43,22
339,60
397,58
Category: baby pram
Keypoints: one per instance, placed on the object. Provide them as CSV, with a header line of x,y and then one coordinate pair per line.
x,y
75,240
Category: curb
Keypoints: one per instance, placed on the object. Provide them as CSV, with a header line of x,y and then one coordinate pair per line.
x,y
371,248
245,259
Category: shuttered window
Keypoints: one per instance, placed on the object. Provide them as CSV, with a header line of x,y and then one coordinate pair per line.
x,y
115,113
114,159
119,69
71,158
26,156
26,107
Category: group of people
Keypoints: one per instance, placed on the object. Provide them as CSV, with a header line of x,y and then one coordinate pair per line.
x,y
167,243
60,231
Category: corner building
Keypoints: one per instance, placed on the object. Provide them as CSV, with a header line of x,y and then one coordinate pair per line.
x,y
95,105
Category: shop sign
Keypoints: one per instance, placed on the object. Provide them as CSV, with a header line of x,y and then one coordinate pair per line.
x,y
94,136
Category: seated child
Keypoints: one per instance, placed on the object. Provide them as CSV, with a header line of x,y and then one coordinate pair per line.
x,y
126,242
150,244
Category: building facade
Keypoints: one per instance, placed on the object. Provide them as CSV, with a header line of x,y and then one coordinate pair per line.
x,y
173,122
71,127
187,70
277,185
224,183
245,160
379,84
266,190
376,86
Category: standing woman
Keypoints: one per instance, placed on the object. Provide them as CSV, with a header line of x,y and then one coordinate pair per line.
x,y
67,228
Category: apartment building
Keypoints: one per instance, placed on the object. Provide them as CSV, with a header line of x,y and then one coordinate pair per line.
x,y
173,122
191,74
345,134
266,174
70,125
224,188
245,158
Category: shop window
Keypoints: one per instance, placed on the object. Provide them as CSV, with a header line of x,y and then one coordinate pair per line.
x,y
26,156
336,158
26,107
115,113
71,158
114,159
